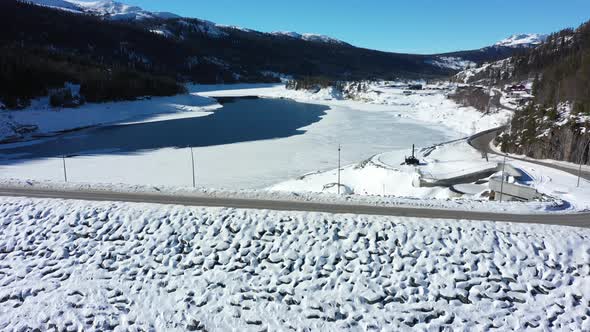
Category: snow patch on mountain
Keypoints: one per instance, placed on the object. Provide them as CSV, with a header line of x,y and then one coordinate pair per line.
x,y
523,40
119,11
450,62
482,74
234,27
205,27
58,4
108,8
308,37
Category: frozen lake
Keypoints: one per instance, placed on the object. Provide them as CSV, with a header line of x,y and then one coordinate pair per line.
x,y
239,120
249,143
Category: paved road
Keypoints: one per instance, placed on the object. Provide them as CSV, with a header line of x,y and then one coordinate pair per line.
x,y
579,220
482,141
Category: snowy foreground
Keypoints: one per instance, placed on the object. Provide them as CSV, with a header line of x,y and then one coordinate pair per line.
x,y
101,266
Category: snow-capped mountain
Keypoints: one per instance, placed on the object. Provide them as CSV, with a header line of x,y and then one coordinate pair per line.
x,y
119,11
522,40
107,8
309,37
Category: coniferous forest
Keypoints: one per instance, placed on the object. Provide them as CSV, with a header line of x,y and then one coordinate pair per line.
x,y
560,69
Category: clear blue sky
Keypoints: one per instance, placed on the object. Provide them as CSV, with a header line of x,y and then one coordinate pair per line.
x,y
413,26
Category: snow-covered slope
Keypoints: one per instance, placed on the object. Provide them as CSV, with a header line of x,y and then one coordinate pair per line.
x,y
309,37
522,40
117,10
108,8
59,4
482,74
455,63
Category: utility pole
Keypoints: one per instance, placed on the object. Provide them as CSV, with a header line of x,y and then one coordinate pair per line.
x,y
193,166
339,148
63,158
581,160
502,185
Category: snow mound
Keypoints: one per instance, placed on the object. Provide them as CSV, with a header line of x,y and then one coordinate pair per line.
x,y
523,40
73,265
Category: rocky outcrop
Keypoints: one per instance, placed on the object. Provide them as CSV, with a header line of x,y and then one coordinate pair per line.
x,y
564,143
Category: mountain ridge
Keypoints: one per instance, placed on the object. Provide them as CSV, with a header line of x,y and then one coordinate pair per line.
x,y
203,52
120,11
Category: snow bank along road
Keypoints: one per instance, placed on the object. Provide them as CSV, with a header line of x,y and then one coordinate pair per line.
x,y
103,266
578,220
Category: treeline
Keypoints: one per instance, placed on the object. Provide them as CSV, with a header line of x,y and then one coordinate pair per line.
x,y
26,73
561,67
311,83
475,97
340,89
42,49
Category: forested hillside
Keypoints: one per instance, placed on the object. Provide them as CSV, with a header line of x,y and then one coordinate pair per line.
x,y
43,48
557,124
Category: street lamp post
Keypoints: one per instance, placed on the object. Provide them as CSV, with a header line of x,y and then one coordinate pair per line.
x,y
339,148
63,158
581,160
193,167
502,184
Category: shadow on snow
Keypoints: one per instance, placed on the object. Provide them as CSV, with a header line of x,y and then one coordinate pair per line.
x,y
239,120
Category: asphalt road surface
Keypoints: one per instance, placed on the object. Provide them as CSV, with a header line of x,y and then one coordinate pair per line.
x,y
578,220
482,141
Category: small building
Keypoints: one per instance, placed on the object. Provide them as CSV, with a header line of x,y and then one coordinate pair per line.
x,y
511,191
502,189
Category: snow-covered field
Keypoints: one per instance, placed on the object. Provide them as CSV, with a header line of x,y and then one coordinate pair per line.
x,y
383,175
75,265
